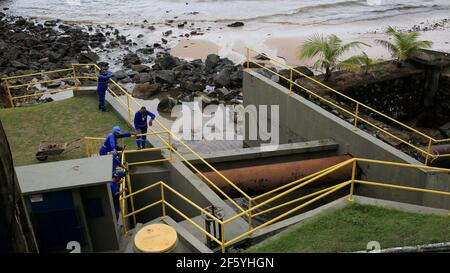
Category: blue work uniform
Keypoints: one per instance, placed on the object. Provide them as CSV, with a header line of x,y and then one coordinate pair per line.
x,y
116,194
116,162
110,143
101,89
140,123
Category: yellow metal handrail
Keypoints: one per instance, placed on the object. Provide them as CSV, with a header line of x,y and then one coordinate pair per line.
x,y
358,105
131,101
73,76
316,196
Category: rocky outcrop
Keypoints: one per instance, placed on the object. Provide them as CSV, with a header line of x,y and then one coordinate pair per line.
x,y
146,90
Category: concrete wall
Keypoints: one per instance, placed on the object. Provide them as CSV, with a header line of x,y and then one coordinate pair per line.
x,y
103,231
302,120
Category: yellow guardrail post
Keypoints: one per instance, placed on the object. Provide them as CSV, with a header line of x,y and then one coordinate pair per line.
x,y
355,127
163,201
352,185
170,146
130,190
128,109
9,93
250,217
427,157
290,81
222,237
74,71
248,58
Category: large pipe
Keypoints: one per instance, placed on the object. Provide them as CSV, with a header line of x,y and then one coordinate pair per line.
x,y
260,179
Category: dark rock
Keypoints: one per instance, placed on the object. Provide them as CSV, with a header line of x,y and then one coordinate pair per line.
x,y
164,41
53,85
236,24
167,62
142,78
166,104
140,36
120,75
167,33
140,68
126,80
212,60
223,78
164,76
304,70
192,87
146,50
132,73
18,65
88,57
146,90
50,23
131,59
445,129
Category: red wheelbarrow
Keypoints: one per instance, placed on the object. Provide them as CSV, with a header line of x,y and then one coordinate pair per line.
x,y
52,148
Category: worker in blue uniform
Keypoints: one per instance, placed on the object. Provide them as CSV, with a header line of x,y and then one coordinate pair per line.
x,y
116,161
110,143
117,179
103,79
140,124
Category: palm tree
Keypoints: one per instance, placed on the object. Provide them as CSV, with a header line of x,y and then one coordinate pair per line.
x,y
404,44
355,63
329,49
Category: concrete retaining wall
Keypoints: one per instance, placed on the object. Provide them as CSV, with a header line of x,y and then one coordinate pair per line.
x,y
302,120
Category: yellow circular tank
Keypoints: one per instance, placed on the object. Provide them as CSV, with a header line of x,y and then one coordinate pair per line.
x,y
156,238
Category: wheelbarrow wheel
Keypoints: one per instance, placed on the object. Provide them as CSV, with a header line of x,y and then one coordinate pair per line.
x,y
41,157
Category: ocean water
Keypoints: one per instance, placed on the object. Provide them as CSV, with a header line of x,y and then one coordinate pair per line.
x,y
268,11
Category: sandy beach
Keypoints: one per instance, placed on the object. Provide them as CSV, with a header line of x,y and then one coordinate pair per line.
x,y
284,41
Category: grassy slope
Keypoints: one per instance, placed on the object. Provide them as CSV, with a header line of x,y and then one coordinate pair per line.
x,y
351,228
63,120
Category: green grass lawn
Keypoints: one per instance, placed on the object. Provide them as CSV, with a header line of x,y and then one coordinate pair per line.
x,y
62,120
352,227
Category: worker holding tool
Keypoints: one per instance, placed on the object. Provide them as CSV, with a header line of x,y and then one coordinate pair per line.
x,y
140,124
102,87
117,179
110,143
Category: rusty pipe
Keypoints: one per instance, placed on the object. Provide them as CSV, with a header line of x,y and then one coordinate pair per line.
x,y
260,179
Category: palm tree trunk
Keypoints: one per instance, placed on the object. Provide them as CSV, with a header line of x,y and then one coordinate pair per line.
x,y
327,74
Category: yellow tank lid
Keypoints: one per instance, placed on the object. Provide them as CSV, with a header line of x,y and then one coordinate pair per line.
x,y
155,238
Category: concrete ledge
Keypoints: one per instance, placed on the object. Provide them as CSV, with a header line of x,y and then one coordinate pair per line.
x,y
398,205
257,152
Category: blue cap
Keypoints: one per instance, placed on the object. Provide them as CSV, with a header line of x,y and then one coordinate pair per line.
x,y
116,129
119,173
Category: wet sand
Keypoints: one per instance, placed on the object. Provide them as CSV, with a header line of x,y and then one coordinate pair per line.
x,y
194,49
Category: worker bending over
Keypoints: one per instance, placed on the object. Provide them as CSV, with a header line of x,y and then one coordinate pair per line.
x,y
110,143
117,179
140,124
